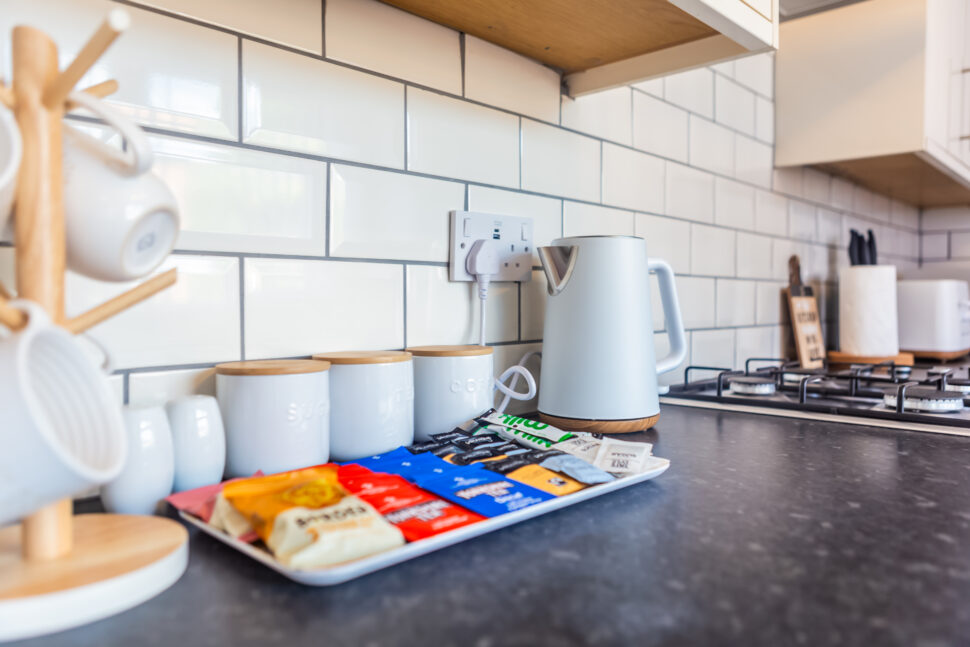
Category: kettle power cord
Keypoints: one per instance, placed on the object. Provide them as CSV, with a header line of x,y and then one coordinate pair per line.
x,y
482,262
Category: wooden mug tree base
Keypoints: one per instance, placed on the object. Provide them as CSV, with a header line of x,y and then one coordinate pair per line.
x,y
118,562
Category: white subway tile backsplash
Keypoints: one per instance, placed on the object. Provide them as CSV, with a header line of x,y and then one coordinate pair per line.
x,y
756,72
696,296
546,213
692,90
712,250
689,193
781,251
192,84
659,127
195,321
754,256
712,348
788,180
753,161
880,207
297,307
861,200
734,105
711,146
383,214
960,245
735,302
502,78
651,86
631,179
339,112
770,213
829,227
440,311
733,204
667,239
559,162
816,185
905,215
755,342
378,37
945,218
580,219
294,23
841,193
764,120
158,387
606,114
236,200
454,138
772,308
801,220
933,246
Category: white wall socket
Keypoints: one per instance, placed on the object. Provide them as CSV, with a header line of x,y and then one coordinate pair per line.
x,y
515,235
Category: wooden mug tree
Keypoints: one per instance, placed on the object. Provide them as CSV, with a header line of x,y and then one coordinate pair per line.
x,y
59,571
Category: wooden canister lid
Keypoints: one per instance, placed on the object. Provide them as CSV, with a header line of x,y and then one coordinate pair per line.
x,y
450,351
272,367
364,357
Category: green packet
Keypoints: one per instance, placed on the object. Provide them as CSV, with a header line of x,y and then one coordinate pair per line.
x,y
530,433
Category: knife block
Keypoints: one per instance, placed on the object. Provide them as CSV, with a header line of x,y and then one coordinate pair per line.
x,y
59,571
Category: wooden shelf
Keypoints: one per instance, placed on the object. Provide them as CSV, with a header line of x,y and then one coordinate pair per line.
x,y
909,177
617,37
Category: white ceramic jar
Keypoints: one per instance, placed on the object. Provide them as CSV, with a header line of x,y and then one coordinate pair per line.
x,y
199,441
149,469
452,384
276,414
372,402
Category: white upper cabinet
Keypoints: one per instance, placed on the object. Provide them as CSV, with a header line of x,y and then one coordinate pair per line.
x,y
600,44
879,91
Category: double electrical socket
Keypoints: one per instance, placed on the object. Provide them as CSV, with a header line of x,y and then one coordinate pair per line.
x,y
514,235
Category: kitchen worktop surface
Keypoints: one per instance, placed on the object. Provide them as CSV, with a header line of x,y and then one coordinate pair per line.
x,y
767,531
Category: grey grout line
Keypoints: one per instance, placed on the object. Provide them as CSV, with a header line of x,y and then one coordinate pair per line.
x,y
125,389
326,211
242,308
323,28
518,285
239,90
467,198
461,61
521,156
407,138
404,274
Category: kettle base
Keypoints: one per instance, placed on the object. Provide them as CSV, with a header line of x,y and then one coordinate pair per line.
x,y
601,426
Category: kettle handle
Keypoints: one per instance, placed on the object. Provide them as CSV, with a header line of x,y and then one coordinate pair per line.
x,y
671,306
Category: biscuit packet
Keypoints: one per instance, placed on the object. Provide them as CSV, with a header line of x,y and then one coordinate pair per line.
x,y
308,520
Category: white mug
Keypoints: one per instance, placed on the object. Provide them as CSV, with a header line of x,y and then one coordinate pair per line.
x,y
61,431
372,402
198,439
149,470
276,414
453,384
121,220
11,152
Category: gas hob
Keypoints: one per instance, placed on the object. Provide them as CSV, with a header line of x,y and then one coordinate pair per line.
x,y
925,397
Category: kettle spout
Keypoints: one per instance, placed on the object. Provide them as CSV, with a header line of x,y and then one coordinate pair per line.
x,y
558,263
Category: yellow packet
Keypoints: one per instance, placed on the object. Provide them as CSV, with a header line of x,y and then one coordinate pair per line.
x,y
308,520
545,480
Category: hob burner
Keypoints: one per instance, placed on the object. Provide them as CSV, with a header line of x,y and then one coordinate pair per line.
x,y
927,399
752,385
958,385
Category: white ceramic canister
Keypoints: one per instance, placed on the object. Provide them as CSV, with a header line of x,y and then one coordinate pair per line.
x,y
452,384
276,414
372,402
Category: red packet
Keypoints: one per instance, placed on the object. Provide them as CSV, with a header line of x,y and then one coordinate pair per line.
x,y
201,501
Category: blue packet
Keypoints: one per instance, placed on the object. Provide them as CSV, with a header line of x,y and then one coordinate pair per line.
x,y
485,492
413,467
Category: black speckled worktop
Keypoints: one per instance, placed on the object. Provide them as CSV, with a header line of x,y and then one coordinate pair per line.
x,y
765,531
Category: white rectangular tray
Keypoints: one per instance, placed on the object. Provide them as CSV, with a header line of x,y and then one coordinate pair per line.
x,y
341,573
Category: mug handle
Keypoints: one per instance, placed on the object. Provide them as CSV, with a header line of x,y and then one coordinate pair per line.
x,y
107,364
675,325
137,157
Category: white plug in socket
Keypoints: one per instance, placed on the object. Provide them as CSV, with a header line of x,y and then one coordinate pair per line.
x,y
514,235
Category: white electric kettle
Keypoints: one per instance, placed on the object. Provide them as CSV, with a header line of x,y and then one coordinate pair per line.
x,y
599,372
